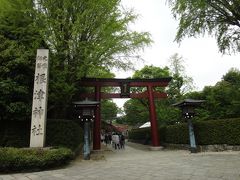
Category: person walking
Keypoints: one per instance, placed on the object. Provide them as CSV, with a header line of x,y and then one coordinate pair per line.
x,y
106,139
116,141
102,137
122,141
110,138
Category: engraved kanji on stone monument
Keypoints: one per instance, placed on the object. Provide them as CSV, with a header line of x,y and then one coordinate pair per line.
x,y
39,105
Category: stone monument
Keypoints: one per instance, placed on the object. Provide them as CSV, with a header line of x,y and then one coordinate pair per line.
x,y
39,105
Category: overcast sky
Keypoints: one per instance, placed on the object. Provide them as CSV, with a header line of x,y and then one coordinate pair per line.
x,y
203,61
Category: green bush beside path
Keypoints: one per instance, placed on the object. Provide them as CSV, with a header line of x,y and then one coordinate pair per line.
x,y
225,131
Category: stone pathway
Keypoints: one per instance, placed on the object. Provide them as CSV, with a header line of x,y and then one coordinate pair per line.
x,y
137,162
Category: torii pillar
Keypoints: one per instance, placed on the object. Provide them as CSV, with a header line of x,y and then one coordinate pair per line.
x,y
153,119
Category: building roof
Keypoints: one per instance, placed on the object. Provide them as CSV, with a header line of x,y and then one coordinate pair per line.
x,y
147,124
86,102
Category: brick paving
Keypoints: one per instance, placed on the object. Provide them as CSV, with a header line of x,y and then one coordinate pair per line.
x,y
137,162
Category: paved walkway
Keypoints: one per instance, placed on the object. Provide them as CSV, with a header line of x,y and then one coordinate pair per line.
x,y
137,162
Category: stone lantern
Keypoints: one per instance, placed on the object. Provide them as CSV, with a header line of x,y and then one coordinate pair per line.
x,y
188,111
85,110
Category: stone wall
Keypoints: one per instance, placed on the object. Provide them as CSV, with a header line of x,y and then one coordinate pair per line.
x,y
204,148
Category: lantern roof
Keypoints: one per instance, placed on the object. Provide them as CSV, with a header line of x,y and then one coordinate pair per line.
x,y
189,102
85,103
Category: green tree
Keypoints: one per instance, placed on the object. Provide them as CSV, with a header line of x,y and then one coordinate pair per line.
x,y
220,18
180,83
222,100
149,72
84,37
232,77
109,110
19,39
137,110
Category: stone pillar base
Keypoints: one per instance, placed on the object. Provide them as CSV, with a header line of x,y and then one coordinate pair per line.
x,y
193,149
155,148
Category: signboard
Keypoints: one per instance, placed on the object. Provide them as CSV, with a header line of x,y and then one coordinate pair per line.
x,y
125,90
39,105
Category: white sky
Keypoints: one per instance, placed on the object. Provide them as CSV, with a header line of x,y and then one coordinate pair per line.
x,y
203,62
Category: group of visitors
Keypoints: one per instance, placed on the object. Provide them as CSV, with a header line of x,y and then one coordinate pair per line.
x,y
106,138
116,139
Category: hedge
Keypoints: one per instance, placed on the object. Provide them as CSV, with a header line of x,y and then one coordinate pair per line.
x,y
142,135
63,133
225,131
176,134
16,159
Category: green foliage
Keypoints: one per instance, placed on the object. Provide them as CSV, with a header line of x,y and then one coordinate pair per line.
x,y
61,133
19,39
149,72
180,83
225,131
218,18
15,134
167,114
87,39
109,110
177,134
136,112
232,77
13,159
64,133
142,135
222,100
92,33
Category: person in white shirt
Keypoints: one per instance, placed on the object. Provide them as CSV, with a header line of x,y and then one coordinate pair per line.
x,y
116,141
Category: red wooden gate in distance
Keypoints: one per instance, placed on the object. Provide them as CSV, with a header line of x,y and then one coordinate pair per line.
x,y
125,85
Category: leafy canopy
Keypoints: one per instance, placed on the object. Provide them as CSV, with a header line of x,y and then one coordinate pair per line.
x,y
137,110
109,110
180,83
90,34
19,39
220,18
222,100
87,39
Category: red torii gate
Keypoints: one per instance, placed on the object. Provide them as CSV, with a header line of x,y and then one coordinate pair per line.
x,y
125,85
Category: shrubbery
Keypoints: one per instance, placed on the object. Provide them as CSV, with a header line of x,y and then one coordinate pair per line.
x,y
225,131
15,133
142,135
64,133
176,134
15,159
